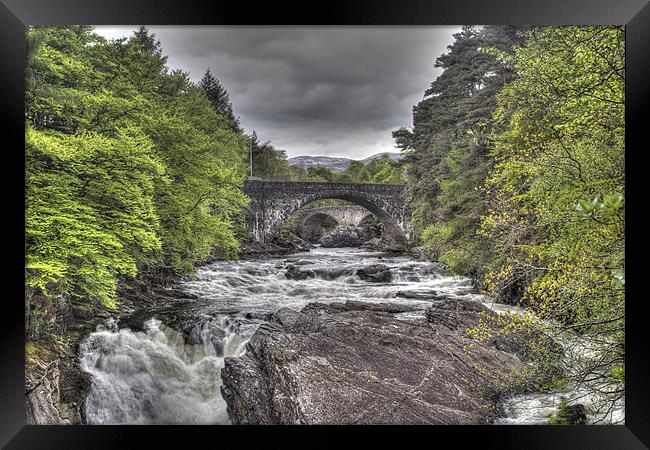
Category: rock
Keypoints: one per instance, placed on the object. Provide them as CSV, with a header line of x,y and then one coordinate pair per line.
x,y
332,273
378,273
454,314
288,240
258,316
258,249
303,262
380,307
293,273
576,414
372,244
55,386
418,253
346,236
386,243
82,311
356,363
136,320
419,295
257,272
390,308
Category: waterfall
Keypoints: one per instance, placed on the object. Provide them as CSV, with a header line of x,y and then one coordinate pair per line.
x,y
154,376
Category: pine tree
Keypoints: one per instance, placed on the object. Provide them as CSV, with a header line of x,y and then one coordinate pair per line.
x,y
147,41
219,99
447,149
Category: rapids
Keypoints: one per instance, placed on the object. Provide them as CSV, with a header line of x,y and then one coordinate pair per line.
x,y
167,369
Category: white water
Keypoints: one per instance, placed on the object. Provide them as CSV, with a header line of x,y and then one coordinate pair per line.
x,y
154,377
162,376
534,409
527,409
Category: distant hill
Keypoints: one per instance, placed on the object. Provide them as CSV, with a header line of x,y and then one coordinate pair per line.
x,y
395,156
333,164
336,164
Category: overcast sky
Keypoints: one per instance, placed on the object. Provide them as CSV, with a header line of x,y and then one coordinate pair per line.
x,y
335,91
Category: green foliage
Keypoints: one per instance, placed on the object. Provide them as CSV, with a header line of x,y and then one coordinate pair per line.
x,y
382,170
447,149
270,162
611,205
558,385
320,173
565,415
562,142
517,165
618,374
129,169
219,99
559,150
90,213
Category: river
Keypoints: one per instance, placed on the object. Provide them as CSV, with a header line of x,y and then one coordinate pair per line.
x,y
167,371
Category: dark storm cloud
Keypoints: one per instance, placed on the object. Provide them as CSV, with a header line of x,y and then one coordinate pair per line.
x,y
336,91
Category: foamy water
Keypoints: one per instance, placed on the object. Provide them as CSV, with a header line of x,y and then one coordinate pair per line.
x,y
162,375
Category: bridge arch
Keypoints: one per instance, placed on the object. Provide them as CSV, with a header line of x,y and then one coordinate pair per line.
x,y
272,203
342,215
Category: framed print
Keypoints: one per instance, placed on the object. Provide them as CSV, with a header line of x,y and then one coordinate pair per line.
x,y
373,219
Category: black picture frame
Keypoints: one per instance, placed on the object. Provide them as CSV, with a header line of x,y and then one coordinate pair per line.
x,y
16,14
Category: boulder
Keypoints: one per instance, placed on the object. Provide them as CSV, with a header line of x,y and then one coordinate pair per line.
x,y
576,414
420,295
257,249
357,363
456,314
284,243
303,262
385,243
293,273
346,236
290,241
378,273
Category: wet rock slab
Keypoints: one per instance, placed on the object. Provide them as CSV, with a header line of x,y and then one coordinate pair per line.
x,y
356,363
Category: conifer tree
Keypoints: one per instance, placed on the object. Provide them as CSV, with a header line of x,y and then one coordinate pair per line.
x,y
219,98
447,148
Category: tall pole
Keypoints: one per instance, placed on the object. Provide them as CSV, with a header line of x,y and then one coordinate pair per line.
x,y
250,152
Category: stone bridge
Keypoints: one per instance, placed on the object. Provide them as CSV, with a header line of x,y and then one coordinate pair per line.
x,y
272,202
343,215
310,222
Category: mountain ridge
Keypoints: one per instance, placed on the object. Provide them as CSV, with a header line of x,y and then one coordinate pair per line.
x,y
337,164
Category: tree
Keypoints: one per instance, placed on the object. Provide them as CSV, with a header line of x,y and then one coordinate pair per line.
x,y
219,99
319,173
268,161
354,168
364,176
556,198
446,151
129,170
385,170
